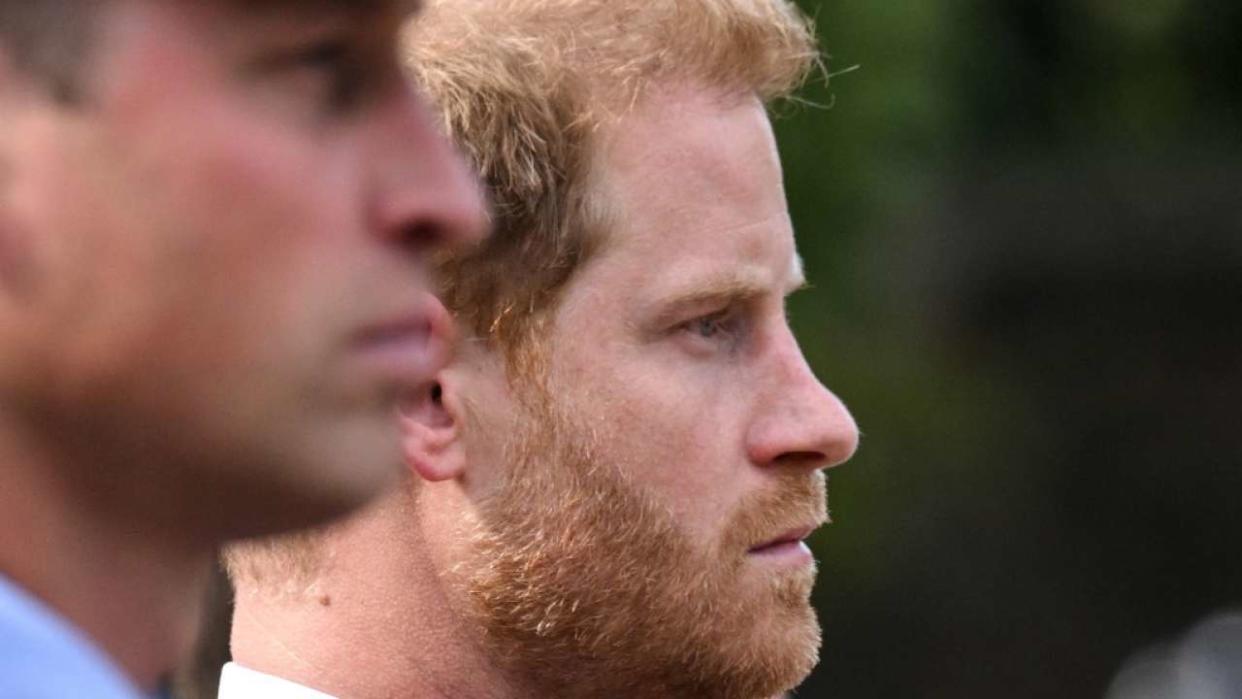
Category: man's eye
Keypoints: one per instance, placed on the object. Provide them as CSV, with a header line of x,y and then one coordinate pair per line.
x,y
336,69
713,325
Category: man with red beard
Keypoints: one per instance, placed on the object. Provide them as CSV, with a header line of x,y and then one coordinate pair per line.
x,y
610,485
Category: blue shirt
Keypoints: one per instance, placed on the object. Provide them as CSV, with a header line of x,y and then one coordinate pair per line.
x,y
43,656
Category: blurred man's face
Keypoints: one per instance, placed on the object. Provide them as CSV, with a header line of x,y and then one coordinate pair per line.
x,y
211,275
648,531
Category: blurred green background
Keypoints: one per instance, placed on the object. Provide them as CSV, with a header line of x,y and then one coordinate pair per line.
x,y
1023,223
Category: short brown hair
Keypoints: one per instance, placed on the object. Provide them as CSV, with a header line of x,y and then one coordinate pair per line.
x,y
524,86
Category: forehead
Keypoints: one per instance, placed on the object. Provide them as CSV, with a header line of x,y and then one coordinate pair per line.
x,y
382,16
722,141
357,7
148,40
695,183
387,14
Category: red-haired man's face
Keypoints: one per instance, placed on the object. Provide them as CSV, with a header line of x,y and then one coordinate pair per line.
x,y
644,528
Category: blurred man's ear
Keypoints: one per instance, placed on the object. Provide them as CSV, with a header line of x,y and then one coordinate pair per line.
x,y
431,422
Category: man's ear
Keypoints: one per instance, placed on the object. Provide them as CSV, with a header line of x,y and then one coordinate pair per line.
x,y
431,422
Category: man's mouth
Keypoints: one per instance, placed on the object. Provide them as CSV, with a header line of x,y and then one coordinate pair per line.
x,y
789,543
408,347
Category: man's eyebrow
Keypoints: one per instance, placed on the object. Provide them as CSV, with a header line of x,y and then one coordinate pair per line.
x,y
720,292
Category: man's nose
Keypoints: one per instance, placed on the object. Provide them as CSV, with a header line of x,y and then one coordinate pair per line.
x,y
426,195
801,423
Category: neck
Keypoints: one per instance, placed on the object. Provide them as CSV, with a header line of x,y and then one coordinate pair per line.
x,y
132,587
375,620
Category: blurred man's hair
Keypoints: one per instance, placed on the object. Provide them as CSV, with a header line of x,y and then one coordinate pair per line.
x,y
524,88
48,40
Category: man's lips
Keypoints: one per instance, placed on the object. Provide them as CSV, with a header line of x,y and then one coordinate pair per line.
x,y
409,346
791,538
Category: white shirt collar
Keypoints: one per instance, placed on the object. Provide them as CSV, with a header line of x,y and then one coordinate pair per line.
x,y
237,682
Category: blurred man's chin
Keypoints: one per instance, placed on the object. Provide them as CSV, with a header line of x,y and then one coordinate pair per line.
x,y
332,475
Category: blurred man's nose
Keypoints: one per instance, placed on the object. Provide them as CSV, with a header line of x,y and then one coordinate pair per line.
x,y
426,194
801,423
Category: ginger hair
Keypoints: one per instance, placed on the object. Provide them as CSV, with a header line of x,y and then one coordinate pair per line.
x,y
526,87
